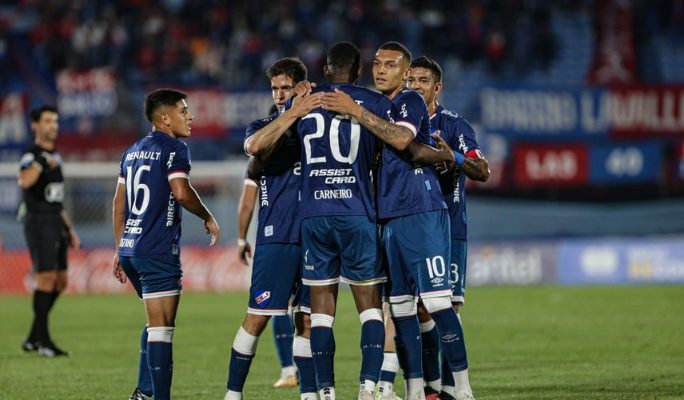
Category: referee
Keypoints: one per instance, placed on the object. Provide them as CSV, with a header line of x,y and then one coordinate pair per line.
x,y
47,227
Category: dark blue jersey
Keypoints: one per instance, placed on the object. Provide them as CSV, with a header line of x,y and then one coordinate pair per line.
x,y
337,153
279,190
460,136
152,216
405,189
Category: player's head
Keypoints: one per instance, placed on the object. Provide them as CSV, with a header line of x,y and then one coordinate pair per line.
x,y
343,63
167,110
425,76
45,123
390,67
284,74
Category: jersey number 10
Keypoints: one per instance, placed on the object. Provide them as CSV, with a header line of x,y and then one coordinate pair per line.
x,y
334,139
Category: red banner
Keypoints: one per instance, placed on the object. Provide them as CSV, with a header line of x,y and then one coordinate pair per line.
x,y
645,111
550,165
90,271
614,59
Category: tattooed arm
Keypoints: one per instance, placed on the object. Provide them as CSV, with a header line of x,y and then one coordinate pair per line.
x,y
397,136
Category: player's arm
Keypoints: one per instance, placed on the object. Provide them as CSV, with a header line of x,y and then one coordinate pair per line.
x,y
268,136
397,136
32,167
422,154
245,211
475,166
187,197
74,240
118,226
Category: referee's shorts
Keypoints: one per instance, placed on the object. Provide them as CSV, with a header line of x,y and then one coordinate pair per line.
x,y
47,239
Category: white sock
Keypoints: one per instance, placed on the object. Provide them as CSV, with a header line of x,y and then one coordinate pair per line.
x,y
290,370
390,362
435,385
449,390
230,395
414,387
461,381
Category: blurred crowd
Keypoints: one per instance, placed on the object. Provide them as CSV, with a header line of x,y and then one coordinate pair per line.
x,y
231,43
199,42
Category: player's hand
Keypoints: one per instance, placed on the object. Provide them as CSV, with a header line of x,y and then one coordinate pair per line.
x,y
339,102
245,253
117,270
442,145
213,229
303,88
74,240
305,104
50,161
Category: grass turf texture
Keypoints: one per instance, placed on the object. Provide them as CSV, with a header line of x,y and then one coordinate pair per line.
x,y
524,343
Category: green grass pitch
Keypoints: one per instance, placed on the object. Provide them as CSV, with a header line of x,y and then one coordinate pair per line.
x,y
524,343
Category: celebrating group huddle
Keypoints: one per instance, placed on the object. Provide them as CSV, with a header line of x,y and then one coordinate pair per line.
x,y
356,186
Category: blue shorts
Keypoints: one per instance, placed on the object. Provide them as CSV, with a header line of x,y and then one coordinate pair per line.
x,y
417,248
152,278
341,248
457,277
302,299
276,272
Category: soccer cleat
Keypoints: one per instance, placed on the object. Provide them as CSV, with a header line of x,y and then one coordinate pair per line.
x,y
445,396
327,394
286,382
380,395
30,346
365,395
51,351
139,395
464,395
431,394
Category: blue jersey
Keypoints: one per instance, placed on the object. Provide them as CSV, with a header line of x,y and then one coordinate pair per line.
x,y
460,136
279,191
337,153
152,216
405,189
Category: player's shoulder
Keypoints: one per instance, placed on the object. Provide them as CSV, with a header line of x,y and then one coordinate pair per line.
x,y
452,118
409,95
257,124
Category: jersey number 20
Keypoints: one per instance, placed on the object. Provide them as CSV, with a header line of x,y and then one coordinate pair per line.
x,y
334,139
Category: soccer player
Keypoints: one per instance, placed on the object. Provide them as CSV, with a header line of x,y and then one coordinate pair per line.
x,y
47,227
416,232
339,231
276,272
282,88
426,78
146,215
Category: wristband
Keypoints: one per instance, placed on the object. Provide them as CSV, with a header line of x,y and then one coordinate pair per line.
x,y
459,158
242,242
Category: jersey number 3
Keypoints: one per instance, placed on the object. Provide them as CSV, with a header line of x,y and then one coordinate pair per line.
x,y
335,149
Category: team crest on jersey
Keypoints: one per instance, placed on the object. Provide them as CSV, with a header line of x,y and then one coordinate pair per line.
x,y
403,112
262,298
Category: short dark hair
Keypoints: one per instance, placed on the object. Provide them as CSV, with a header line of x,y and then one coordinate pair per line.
x,y
161,97
36,113
343,55
396,46
292,67
429,64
